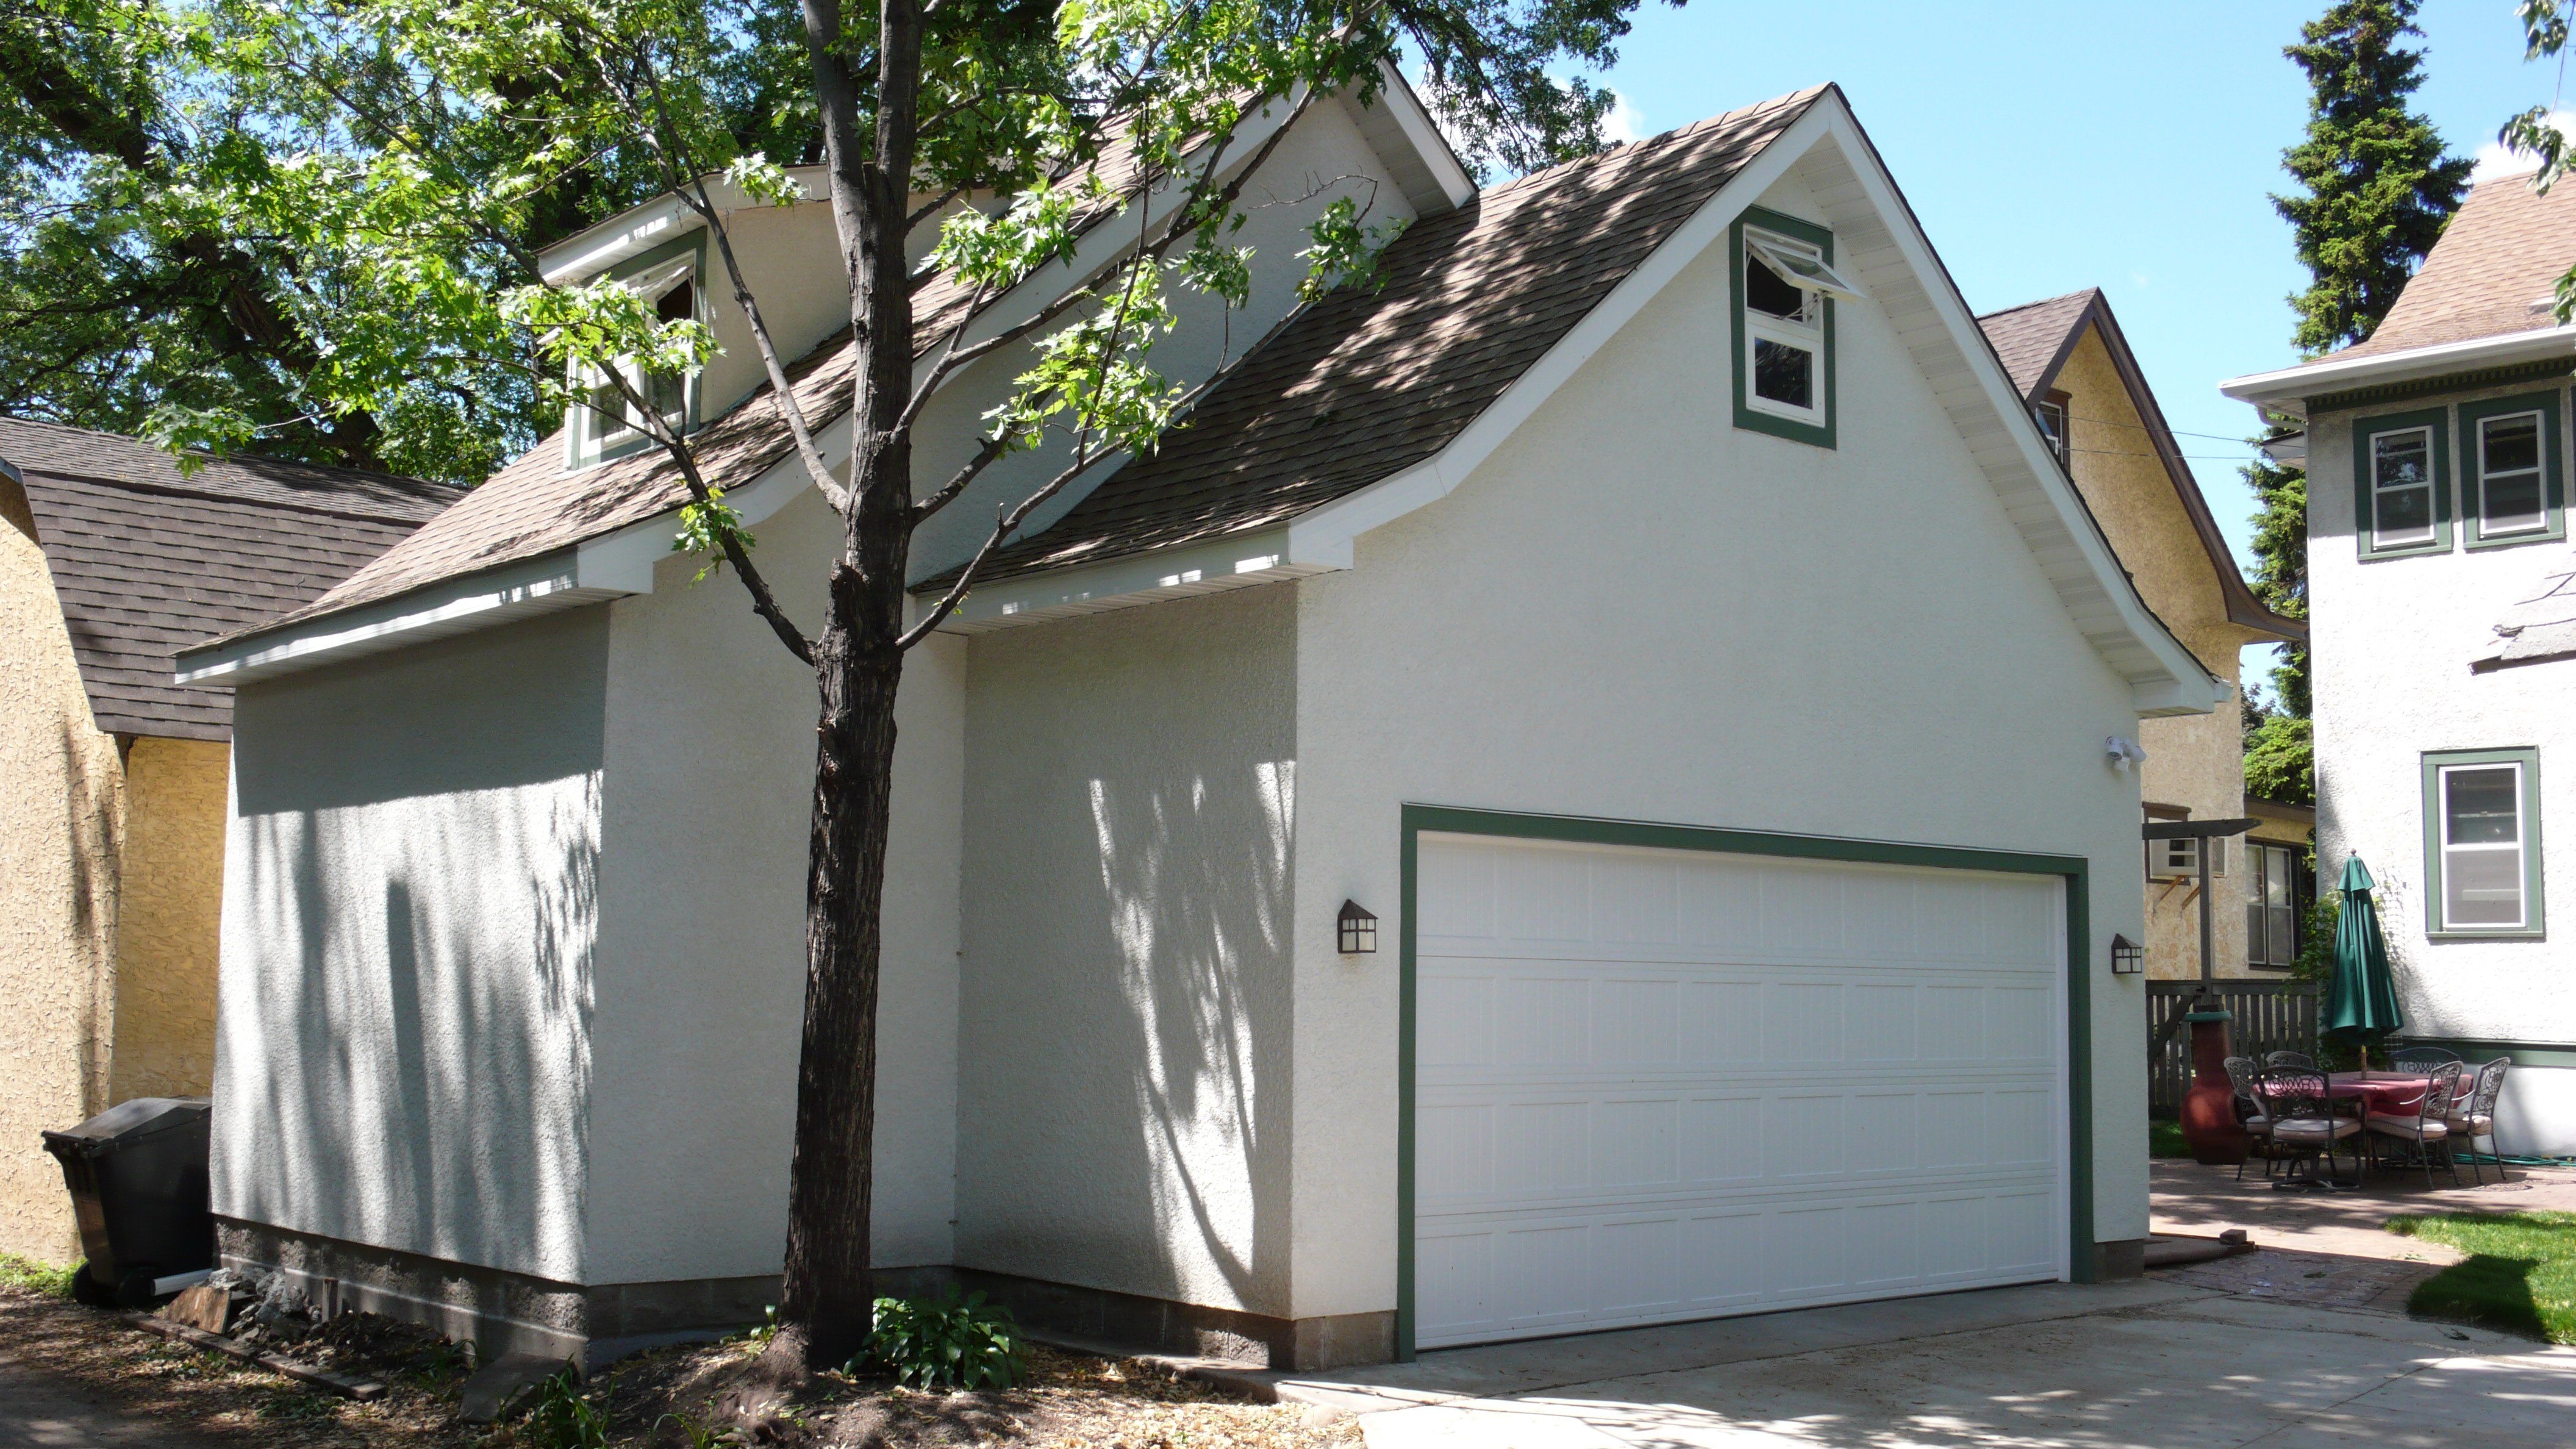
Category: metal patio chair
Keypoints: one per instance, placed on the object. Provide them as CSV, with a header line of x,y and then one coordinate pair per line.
x,y
2427,1127
2472,1117
2252,1112
2305,1122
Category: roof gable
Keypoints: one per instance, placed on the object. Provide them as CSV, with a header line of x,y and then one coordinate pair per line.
x,y
147,560
2034,342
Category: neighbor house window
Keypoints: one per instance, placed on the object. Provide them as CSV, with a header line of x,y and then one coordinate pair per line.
x,y
1785,289
2402,499
2050,413
2271,905
608,423
2510,484
2482,842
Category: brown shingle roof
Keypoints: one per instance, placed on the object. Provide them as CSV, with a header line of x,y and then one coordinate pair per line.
x,y
2033,339
147,560
2502,252
1364,384
536,506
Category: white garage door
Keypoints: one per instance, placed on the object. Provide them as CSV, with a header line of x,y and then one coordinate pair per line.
x,y
1655,1085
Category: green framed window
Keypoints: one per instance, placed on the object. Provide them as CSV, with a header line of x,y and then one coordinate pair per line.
x,y
1782,316
2512,482
2482,843
2402,484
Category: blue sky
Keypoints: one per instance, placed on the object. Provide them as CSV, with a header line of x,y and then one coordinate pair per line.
x,y
2050,147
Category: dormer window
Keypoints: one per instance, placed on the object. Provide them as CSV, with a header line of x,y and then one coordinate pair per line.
x,y
1785,289
608,424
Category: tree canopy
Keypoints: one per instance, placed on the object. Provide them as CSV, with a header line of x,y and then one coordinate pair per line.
x,y
2374,189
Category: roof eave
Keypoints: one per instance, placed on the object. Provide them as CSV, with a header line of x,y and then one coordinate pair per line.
x,y
2288,389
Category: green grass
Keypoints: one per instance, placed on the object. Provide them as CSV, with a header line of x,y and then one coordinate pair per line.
x,y
2520,1276
2165,1139
29,1276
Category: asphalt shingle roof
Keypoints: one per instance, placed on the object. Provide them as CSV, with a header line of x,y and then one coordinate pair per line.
x,y
2503,252
1363,384
2032,340
147,560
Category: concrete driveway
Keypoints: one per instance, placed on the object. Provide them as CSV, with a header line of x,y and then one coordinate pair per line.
x,y
2147,1364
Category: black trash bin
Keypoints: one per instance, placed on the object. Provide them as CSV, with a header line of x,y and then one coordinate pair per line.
x,y
137,1172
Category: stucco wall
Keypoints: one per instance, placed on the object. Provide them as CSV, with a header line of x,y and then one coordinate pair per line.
x,y
2394,641
1635,610
701,968
410,897
60,795
2193,761
1123,1113
168,908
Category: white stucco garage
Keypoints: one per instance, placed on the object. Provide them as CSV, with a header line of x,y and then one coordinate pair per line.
x,y
1704,676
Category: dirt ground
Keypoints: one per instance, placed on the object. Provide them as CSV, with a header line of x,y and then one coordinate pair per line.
x,y
122,1380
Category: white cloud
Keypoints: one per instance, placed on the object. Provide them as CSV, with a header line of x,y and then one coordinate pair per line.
x,y
1625,122
2494,160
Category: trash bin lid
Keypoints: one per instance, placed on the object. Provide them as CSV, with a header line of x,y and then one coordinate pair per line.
x,y
129,1121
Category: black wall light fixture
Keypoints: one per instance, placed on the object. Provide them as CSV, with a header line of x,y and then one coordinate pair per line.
x,y
1358,930
2128,958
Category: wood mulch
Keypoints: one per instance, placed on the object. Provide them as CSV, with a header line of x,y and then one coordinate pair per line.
x,y
693,1395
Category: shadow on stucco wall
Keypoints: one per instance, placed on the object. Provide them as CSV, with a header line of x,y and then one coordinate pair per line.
x,y
1126,1011
411,906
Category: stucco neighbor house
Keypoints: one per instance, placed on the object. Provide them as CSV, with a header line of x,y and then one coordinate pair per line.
x,y
2074,369
112,795
1655,607
2438,570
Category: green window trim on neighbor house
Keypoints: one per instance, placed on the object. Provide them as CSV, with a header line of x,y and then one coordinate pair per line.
x,y
2528,504
2482,845
2083,1263
2412,442
1750,413
584,443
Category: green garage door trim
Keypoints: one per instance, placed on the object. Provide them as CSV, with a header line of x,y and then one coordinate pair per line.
x,y
1451,820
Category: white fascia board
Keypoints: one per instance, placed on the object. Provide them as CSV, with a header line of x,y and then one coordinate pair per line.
x,y
1415,121
1234,562
2288,389
2180,684
1325,538
475,601
639,228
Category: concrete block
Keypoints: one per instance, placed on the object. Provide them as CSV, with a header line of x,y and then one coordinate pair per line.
x,y
501,1387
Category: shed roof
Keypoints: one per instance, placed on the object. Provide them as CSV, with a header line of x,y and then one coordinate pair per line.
x,y
147,559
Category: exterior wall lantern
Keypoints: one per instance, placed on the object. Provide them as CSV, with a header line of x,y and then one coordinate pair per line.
x,y
2128,958
1358,929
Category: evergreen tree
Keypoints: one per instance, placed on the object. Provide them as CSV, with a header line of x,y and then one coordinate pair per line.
x,y
2375,190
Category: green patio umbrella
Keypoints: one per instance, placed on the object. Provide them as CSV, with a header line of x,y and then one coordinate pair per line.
x,y
2361,999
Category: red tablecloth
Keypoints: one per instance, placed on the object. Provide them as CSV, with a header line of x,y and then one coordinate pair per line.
x,y
2386,1095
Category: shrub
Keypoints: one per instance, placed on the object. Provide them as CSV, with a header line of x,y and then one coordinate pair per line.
x,y
29,1276
946,1341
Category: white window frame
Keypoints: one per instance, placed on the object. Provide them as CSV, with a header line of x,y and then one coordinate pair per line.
x,y
1815,281
2520,846
2041,412
2180,859
2380,538
2538,471
601,433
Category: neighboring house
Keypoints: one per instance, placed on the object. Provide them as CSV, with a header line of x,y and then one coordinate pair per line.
x,y
112,777
2445,664
1654,606
2073,367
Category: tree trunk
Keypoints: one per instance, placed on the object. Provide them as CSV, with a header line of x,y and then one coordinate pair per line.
x,y
828,1298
